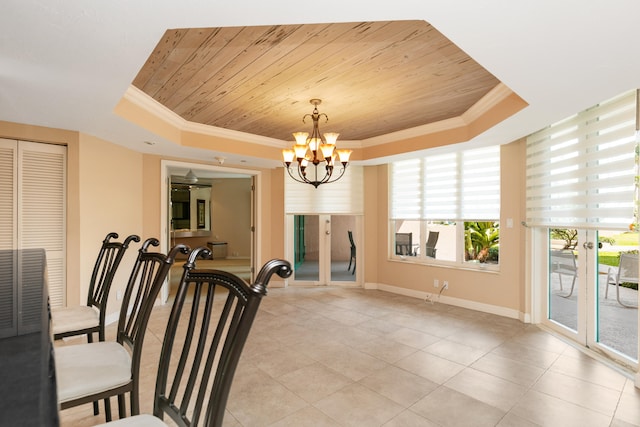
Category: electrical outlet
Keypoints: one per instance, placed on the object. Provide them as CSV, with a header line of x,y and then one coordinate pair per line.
x,y
445,284
436,283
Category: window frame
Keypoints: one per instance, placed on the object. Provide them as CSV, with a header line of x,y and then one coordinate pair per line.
x,y
412,193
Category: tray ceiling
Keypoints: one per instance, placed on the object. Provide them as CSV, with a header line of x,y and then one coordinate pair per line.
x,y
374,78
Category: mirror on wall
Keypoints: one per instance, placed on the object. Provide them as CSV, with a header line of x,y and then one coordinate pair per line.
x,y
190,209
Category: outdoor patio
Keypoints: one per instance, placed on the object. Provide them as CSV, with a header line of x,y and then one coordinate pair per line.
x,y
617,326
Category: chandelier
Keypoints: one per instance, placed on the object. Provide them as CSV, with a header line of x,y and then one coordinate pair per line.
x,y
315,155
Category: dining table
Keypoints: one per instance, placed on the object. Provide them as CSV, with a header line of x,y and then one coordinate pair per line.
x,y
27,369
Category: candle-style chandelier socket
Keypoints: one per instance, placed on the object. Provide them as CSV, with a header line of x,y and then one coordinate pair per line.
x,y
313,157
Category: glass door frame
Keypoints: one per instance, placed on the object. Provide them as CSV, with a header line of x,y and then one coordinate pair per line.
x,y
586,287
325,234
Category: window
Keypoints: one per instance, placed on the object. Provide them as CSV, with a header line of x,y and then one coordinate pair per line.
x,y
449,204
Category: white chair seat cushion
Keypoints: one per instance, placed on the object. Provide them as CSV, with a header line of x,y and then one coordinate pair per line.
x,y
142,420
86,369
74,318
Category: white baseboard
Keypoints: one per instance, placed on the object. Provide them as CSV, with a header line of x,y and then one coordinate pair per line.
x,y
457,302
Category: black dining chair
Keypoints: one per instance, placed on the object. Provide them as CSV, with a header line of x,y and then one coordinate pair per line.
x,y
89,319
208,326
94,371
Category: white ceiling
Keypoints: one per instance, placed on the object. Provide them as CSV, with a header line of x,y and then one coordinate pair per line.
x,y
67,63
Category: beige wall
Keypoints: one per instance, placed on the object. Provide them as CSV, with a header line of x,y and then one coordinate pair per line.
x,y
111,199
115,189
501,289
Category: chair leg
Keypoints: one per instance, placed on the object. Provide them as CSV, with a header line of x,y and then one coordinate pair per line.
x,y
122,407
573,284
107,409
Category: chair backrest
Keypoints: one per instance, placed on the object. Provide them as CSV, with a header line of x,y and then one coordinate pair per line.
x,y
147,277
628,268
350,233
430,247
404,243
432,239
563,261
208,326
104,270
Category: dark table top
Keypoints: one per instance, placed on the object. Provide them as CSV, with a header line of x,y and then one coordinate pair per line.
x,y
27,370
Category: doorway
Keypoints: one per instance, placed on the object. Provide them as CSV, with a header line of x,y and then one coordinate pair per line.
x,y
225,219
324,249
586,297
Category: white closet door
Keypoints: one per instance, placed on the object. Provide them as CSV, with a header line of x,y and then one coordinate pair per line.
x,y
8,236
8,194
41,209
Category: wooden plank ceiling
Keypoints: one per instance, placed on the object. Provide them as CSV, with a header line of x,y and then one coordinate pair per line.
x,y
374,78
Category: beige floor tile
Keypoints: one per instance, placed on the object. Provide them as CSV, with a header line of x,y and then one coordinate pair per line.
x,y
412,338
308,416
509,369
410,419
579,392
256,399
528,355
356,405
456,352
546,410
399,385
629,406
487,388
430,366
511,420
588,369
314,382
281,361
450,408
314,354
385,349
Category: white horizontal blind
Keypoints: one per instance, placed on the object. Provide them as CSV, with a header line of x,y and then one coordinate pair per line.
x,y
462,185
480,171
581,171
406,190
344,196
441,198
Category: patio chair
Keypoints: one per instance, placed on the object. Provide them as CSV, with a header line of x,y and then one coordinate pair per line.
x,y
203,343
564,263
404,244
627,272
431,243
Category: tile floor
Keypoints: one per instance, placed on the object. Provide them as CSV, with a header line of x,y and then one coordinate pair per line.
x,y
353,357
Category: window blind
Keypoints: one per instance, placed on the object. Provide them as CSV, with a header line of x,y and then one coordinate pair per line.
x,y
581,171
344,196
461,185
406,190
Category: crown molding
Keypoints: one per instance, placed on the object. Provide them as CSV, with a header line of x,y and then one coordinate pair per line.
x,y
147,103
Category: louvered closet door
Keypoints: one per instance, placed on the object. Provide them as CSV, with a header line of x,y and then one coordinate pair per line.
x,y
8,236
41,209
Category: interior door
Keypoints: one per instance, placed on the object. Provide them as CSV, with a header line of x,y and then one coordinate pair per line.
x,y
322,252
587,299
